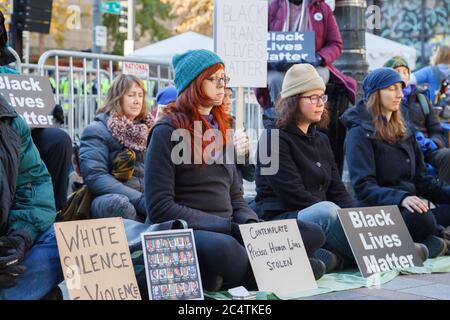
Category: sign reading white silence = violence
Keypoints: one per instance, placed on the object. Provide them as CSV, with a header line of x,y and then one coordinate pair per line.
x,y
31,97
96,260
290,46
278,257
379,239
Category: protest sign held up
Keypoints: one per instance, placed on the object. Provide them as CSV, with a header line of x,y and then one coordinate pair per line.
x,y
278,257
290,46
379,239
31,97
96,261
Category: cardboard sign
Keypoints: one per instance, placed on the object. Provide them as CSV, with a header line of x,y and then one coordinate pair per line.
x,y
96,261
171,265
240,29
290,46
140,70
31,97
379,239
278,256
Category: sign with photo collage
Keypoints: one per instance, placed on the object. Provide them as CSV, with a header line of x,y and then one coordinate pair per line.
x,y
171,265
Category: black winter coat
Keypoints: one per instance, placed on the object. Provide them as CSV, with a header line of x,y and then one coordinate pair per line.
x,y
307,175
428,124
384,174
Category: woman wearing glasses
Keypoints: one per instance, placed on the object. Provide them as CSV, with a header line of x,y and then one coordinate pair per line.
x,y
206,194
307,185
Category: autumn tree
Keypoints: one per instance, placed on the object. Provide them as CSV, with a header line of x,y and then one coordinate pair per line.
x,y
193,15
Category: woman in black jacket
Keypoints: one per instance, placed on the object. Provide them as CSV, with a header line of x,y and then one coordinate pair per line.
x,y
307,185
182,182
386,164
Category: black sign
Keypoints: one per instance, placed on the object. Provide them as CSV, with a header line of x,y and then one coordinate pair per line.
x,y
31,97
291,46
379,239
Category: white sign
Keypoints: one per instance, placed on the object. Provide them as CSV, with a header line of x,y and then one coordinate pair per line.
x,y
278,257
100,36
240,39
140,70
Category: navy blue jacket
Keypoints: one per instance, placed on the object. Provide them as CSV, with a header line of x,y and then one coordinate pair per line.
x,y
384,174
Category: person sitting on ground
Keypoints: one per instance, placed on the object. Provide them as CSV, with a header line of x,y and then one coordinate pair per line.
x,y
418,110
119,133
246,170
386,164
307,185
29,261
207,194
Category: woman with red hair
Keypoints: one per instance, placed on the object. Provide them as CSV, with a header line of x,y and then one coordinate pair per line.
x,y
198,186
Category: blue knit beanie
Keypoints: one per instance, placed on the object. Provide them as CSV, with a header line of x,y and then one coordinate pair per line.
x,y
166,95
189,65
380,78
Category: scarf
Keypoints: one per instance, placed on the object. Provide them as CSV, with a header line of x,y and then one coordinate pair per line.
x,y
132,135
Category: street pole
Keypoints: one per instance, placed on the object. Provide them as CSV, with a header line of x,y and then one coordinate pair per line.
x,y
129,43
350,16
96,21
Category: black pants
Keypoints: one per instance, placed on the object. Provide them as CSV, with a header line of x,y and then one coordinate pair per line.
x,y
440,159
420,225
222,255
55,148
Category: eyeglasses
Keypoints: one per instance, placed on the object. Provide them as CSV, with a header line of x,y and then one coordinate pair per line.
x,y
314,99
217,81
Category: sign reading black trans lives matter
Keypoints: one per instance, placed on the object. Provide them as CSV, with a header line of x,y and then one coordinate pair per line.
x,y
379,239
31,97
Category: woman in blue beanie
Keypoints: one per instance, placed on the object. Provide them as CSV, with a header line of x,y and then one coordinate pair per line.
x,y
207,195
385,162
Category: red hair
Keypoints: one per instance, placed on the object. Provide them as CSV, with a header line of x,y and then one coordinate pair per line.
x,y
184,112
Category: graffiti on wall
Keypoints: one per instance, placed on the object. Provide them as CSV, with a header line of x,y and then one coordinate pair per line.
x,y
401,21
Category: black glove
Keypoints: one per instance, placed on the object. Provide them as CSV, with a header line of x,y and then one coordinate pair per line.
x,y
236,233
9,275
13,248
58,114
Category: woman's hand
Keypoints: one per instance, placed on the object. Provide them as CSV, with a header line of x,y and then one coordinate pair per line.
x,y
413,203
241,143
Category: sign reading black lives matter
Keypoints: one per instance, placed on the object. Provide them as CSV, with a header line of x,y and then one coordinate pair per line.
x,y
31,97
290,46
171,265
278,257
379,239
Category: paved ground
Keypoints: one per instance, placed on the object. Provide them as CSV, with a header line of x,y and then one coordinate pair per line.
x,y
434,286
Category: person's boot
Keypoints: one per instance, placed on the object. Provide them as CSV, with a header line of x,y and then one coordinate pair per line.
x,y
318,268
422,251
331,260
436,246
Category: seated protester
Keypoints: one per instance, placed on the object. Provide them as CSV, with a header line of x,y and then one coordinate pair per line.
x,y
418,110
119,133
386,164
164,96
246,170
307,185
29,261
207,194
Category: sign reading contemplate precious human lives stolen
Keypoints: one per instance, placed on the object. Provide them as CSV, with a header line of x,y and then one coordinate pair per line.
x,y
291,47
240,39
96,260
278,257
171,265
379,239
31,97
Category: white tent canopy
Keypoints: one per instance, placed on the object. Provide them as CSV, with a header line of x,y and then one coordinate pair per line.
x,y
378,49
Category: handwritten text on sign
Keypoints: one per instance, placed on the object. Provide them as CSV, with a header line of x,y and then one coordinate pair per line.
x,y
31,97
240,29
278,256
96,260
379,239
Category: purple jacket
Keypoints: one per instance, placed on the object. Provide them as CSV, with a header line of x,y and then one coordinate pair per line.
x,y
328,43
